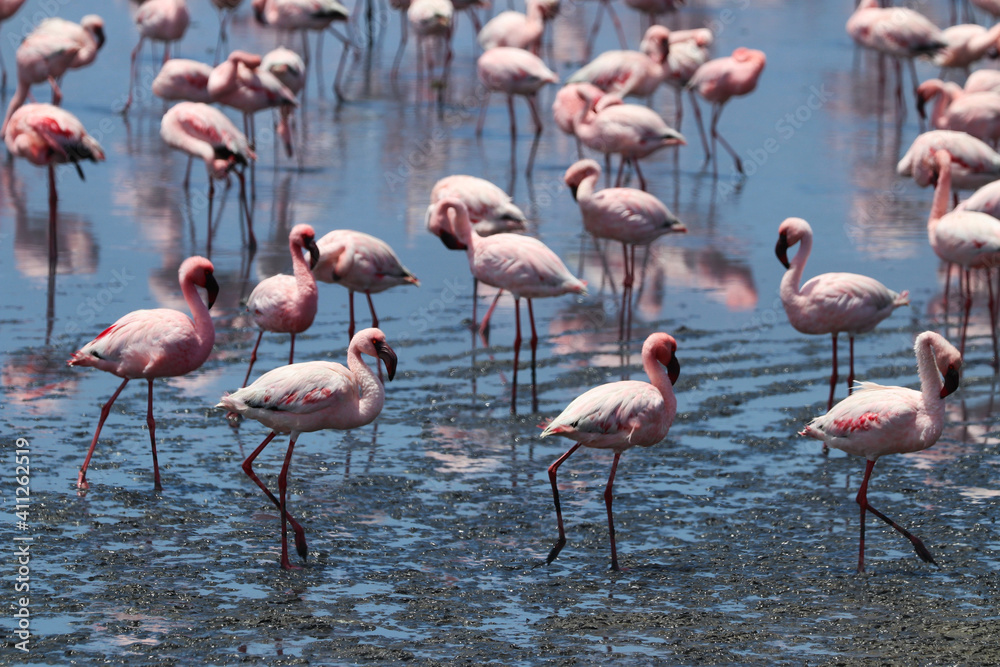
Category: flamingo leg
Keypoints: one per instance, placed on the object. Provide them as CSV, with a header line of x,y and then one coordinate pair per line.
x,y
283,492
300,535
371,308
722,140
484,326
131,78
252,240
253,355
597,24
618,24
517,353
608,498
947,285
513,119
81,480
701,127
340,72
475,299
53,216
638,173
850,376
151,423
561,542
626,286
208,229
534,352
482,115
833,374
537,119
968,308
350,326
862,500
291,352
404,34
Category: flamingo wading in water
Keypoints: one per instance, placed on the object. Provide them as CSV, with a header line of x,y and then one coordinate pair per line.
x,y
619,416
162,21
877,420
307,397
150,344
830,303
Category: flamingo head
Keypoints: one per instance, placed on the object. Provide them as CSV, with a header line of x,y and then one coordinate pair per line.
x,y
579,172
372,342
656,43
790,232
949,363
304,236
95,25
200,271
665,347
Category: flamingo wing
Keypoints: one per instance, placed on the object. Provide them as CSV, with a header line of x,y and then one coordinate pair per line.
x,y
617,408
304,388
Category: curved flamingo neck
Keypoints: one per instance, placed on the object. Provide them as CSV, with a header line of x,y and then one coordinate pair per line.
x,y
658,378
370,388
204,328
305,281
793,276
930,378
942,190
462,225
585,190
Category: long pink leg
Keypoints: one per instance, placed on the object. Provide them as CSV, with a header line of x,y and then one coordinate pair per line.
x,y
850,376
252,240
253,355
607,501
722,140
618,24
208,227
968,308
81,480
282,492
403,32
300,535
701,127
371,307
833,375
517,353
561,542
862,500
484,326
131,79
537,119
513,120
626,285
534,351
151,423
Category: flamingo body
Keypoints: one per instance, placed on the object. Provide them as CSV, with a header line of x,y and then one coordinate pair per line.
x,y
183,79
45,135
510,28
490,208
974,163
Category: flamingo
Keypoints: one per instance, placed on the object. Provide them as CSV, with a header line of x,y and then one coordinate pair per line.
x,y
283,303
718,81
361,263
289,68
965,44
898,32
183,79
626,73
877,420
568,106
204,132
608,126
161,21
150,344
490,208
976,113
513,71
830,303
433,23
53,47
619,416
312,396
522,265
975,164
305,15
7,9
983,80
968,238
631,217
689,50
226,9
522,31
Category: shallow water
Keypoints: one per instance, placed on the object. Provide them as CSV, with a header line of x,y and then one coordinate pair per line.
x,y
739,538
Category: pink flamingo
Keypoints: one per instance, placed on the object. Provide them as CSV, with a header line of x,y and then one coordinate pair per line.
x,y
151,344
306,15
202,131
183,79
983,80
490,208
513,72
689,50
307,397
976,113
631,217
289,68
975,164
718,81
878,420
965,44
968,238
433,23
7,9
53,47
522,31
570,104
522,265
361,263
608,126
161,21
283,303
619,416
898,32
830,303
626,73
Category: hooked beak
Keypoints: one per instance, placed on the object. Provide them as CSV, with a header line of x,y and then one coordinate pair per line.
x,y
313,253
673,369
781,250
573,189
213,288
951,378
386,354
99,35
451,241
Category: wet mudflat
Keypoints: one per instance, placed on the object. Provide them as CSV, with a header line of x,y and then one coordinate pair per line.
x,y
739,538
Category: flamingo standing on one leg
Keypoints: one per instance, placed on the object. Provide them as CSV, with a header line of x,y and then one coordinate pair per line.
x,y
151,344
877,420
830,303
7,9
522,265
312,396
968,238
619,416
204,132
718,81
513,71
361,263
161,21
283,303
631,217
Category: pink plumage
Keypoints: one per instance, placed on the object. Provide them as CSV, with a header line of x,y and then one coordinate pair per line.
x,y
183,79
619,416
877,420
312,396
490,208
514,29
830,303
284,303
977,113
625,73
974,163
150,344
895,31
965,44
512,71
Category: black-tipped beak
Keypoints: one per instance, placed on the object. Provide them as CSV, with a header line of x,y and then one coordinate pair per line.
x,y
313,253
451,241
673,369
573,189
386,354
781,250
213,288
951,380
99,36
921,106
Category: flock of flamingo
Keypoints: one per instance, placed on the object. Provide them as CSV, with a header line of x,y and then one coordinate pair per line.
x,y
477,217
